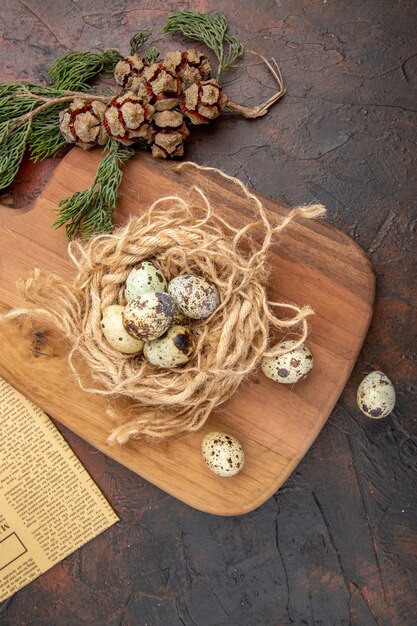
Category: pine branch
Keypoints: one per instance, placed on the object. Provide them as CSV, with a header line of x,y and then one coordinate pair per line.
x,y
33,110
11,153
235,50
13,88
90,211
46,139
12,107
151,55
19,98
49,102
210,29
74,70
21,101
31,90
138,41
4,131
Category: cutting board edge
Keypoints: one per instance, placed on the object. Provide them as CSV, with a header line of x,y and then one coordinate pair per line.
x,y
365,270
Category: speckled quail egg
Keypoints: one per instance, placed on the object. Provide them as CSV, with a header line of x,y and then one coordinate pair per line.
x,y
144,278
172,349
196,297
148,316
114,332
290,367
223,454
376,395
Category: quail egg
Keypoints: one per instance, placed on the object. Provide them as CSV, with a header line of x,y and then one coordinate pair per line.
x,y
148,316
376,395
114,332
223,454
174,348
196,297
144,278
290,367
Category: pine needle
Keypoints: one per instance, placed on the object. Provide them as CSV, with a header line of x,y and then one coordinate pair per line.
x,y
25,88
18,98
13,106
46,139
151,55
210,29
74,70
89,212
4,131
138,41
11,153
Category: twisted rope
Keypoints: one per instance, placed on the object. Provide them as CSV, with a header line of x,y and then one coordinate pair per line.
x,y
178,236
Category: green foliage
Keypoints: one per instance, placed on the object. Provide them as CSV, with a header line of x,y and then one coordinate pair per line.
x,y
4,131
13,88
210,29
74,70
43,135
46,139
151,55
19,98
12,150
90,211
138,41
20,88
12,107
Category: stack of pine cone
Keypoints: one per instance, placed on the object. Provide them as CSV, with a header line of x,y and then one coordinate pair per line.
x,y
157,101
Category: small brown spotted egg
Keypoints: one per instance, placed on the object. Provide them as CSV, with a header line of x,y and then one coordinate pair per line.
x,y
290,367
376,395
148,316
223,454
144,278
196,297
174,348
114,332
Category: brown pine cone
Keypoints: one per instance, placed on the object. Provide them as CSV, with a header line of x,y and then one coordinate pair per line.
x,y
160,87
168,134
128,71
127,118
189,65
203,101
82,123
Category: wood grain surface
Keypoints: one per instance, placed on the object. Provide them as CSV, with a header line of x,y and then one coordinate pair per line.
x,y
311,263
336,545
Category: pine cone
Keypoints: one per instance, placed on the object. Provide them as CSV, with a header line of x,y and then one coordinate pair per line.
x,y
203,101
168,134
127,118
128,71
82,123
160,87
190,66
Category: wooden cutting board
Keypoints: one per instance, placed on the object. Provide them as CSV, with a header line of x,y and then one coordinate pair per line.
x,y
312,264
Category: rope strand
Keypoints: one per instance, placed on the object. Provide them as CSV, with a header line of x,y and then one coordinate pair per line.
x,y
179,236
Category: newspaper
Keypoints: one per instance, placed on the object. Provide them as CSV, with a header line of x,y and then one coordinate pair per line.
x,y
49,505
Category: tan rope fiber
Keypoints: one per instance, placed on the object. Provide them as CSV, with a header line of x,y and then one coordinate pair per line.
x,y
179,236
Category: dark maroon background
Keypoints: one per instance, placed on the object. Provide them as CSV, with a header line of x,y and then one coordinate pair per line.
x,y
337,544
